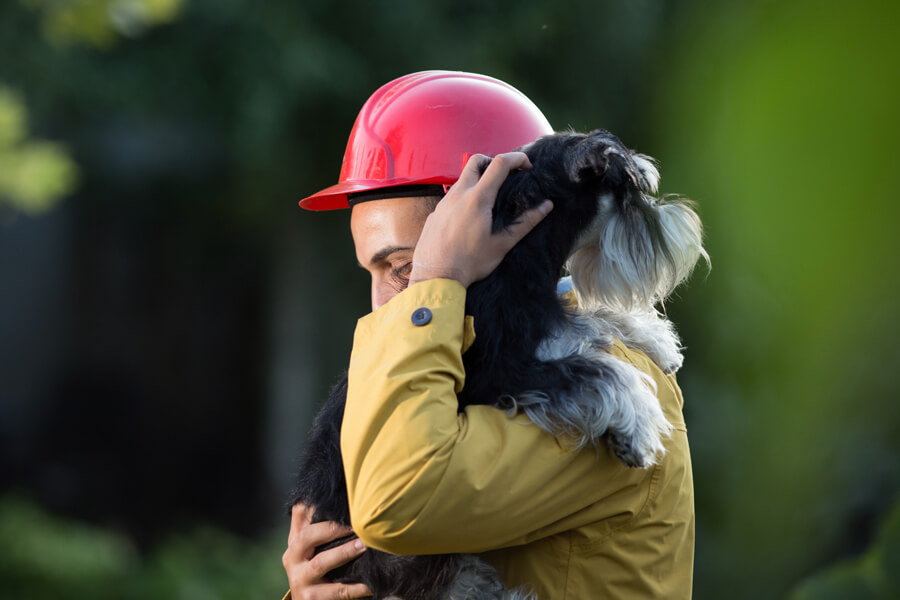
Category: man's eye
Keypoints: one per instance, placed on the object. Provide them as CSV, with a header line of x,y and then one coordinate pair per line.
x,y
400,274
403,269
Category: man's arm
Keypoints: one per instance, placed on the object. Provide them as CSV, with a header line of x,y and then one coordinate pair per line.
x,y
422,478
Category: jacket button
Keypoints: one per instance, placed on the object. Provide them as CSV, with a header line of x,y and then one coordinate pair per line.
x,y
421,316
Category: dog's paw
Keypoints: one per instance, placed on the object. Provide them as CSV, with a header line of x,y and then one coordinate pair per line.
x,y
639,441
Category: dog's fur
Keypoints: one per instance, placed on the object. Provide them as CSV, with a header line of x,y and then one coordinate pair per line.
x,y
626,251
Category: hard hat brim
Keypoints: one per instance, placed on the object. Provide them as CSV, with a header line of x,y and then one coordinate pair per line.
x,y
335,196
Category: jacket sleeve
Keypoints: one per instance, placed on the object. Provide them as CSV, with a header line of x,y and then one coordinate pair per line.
x,y
423,479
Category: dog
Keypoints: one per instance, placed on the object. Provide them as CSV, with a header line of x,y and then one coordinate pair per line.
x,y
626,251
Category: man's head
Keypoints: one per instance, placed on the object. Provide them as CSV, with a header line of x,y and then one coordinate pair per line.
x,y
416,133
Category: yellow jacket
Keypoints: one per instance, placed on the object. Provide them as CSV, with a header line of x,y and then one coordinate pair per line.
x,y
423,479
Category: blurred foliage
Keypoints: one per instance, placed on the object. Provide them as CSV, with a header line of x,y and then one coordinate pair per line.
x,y
254,101
45,556
34,174
42,553
875,574
207,119
786,135
100,23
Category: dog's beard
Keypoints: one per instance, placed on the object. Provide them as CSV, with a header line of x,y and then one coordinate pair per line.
x,y
632,260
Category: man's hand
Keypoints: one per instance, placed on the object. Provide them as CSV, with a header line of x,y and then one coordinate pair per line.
x,y
456,241
306,569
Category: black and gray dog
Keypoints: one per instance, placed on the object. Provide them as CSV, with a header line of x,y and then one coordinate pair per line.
x,y
626,251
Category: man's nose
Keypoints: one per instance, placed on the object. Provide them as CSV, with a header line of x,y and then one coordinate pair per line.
x,y
380,294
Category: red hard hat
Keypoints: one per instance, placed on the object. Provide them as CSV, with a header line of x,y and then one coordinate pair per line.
x,y
419,129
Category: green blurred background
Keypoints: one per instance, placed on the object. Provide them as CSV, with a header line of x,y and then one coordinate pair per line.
x,y
170,320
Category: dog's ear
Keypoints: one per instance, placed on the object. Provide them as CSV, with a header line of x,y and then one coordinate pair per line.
x,y
589,159
602,156
640,248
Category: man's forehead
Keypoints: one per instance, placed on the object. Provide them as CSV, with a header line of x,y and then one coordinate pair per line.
x,y
385,226
378,213
376,208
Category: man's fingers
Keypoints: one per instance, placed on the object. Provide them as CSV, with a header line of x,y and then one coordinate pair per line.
x,y
492,171
356,590
333,591
301,515
527,221
497,172
335,557
341,591
471,173
316,534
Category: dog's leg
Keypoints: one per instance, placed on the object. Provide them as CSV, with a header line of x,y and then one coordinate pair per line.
x,y
644,330
578,391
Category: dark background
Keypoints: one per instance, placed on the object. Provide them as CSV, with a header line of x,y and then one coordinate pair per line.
x,y
170,320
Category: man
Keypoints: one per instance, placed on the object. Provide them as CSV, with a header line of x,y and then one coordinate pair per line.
x,y
421,478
